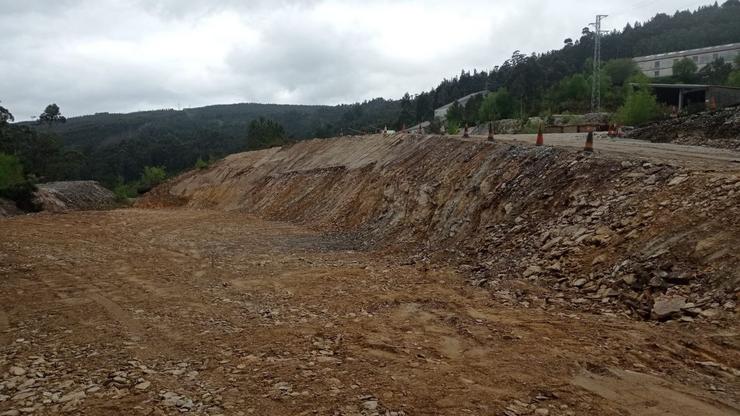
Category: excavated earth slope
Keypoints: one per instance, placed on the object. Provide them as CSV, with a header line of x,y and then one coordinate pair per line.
x,y
534,225
388,276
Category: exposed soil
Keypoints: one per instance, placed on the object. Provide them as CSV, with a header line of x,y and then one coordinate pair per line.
x,y
630,226
387,276
223,313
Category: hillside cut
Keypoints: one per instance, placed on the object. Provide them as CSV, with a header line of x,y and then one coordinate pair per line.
x,y
603,232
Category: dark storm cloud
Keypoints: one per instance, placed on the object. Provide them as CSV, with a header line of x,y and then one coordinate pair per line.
x,y
91,56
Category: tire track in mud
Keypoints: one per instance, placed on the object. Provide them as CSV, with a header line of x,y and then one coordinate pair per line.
x,y
115,311
70,294
648,395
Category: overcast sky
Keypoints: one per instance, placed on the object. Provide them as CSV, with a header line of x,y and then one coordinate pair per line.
x,y
118,56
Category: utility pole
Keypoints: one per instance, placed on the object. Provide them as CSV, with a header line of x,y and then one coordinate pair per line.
x,y
596,78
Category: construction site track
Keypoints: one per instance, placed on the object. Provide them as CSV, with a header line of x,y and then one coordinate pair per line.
x,y
699,157
161,311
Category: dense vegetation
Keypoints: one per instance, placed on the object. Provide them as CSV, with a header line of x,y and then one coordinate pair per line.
x,y
118,146
28,155
122,149
532,80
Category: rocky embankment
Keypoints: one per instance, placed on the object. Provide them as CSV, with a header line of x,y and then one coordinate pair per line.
x,y
534,225
719,129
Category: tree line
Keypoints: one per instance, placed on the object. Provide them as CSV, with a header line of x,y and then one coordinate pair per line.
x,y
560,80
131,152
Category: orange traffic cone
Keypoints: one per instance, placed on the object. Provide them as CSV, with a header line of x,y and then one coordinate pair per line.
x,y
490,132
589,142
540,137
465,132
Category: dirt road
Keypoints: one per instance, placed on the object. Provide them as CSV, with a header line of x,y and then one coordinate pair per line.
x,y
688,156
164,311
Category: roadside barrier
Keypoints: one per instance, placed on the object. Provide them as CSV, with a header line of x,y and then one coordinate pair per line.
x,y
540,137
589,147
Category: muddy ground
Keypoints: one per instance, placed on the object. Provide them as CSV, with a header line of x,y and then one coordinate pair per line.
x,y
163,311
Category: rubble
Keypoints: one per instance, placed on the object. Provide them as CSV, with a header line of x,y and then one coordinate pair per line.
x,y
73,196
719,129
667,307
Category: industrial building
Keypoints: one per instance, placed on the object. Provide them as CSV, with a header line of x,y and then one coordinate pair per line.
x,y
661,65
441,112
695,97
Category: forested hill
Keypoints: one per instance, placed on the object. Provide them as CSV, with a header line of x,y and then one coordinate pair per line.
x,y
111,147
299,121
120,145
531,77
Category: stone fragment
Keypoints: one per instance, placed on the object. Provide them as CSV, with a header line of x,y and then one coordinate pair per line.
x,y
143,385
665,307
579,283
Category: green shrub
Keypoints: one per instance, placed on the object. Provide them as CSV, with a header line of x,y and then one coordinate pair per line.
x,y
151,177
453,127
734,79
640,107
22,194
11,171
685,70
202,164
497,105
125,191
529,127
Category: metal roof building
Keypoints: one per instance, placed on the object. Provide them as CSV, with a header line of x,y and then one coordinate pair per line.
x,y
695,96
661,65
441,112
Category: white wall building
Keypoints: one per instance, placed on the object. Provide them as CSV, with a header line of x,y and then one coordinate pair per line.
x,y
441,112
661,65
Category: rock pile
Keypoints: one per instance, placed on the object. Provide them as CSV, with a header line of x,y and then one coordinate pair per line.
x,y
605,252
58,382
710,128
73,196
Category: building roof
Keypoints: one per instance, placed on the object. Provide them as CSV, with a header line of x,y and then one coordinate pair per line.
x,y
685,86
709,49
462,100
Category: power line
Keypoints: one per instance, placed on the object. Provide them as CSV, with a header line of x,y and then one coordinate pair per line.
x,y
596,77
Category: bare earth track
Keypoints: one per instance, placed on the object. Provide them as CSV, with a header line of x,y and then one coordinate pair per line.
x,y
690,156
170,310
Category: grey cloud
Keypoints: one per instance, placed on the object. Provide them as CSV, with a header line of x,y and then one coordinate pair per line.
x,y
97,55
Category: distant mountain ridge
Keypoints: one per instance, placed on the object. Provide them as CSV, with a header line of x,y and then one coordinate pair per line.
x,y
120,145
